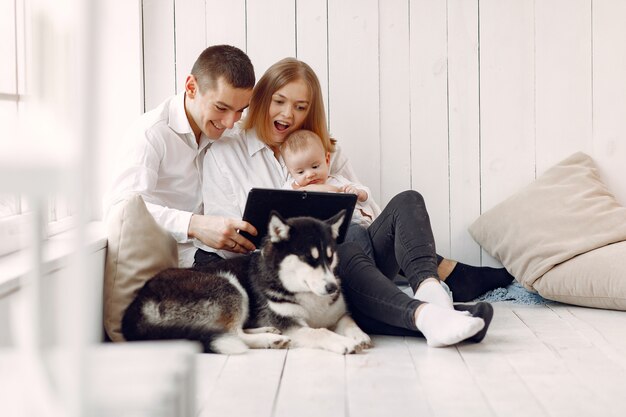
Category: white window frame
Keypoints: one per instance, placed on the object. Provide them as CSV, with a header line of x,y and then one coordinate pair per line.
x,y
14,226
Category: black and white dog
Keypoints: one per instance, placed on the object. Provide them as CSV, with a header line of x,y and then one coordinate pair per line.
x,y
285,295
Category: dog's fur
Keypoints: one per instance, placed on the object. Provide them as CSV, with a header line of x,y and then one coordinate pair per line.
x,y
285,295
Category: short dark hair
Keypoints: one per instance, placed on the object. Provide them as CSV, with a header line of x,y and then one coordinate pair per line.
x,y
224,61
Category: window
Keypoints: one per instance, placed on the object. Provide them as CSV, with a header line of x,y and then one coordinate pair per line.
x,y
14,49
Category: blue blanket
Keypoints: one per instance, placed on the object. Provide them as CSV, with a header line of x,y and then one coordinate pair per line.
x,y
515,293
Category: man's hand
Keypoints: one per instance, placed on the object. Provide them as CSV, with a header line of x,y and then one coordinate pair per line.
x,y
221,233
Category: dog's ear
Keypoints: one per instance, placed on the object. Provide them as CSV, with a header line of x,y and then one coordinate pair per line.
x,y
277,229
336,221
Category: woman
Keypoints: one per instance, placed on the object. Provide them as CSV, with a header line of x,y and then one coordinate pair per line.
x,y
288,98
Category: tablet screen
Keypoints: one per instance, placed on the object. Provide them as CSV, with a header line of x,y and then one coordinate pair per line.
x,y
295,203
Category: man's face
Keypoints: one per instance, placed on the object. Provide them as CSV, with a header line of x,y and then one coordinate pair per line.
x,y
216,109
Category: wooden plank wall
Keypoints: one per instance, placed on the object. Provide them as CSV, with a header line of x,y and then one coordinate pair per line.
x,y
464,101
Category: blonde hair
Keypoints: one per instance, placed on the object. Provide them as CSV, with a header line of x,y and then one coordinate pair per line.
x,y
277,76
299,140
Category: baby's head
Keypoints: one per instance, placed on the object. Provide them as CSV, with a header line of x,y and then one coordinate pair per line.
x,y
305,157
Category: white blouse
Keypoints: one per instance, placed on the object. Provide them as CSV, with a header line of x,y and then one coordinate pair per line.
x,y
240,161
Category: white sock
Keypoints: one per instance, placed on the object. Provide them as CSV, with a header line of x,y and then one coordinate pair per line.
x,y
444,327
433,292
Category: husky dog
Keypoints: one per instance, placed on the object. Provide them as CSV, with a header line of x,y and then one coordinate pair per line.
x,y
285,295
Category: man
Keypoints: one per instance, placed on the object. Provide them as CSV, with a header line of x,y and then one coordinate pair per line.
x,y
166,147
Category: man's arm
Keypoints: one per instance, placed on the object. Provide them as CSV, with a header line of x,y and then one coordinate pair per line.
x,y
137,172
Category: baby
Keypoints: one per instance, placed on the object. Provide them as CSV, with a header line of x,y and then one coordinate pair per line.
x,y
308,163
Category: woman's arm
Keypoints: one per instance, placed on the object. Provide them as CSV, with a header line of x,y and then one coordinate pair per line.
x,y
340,167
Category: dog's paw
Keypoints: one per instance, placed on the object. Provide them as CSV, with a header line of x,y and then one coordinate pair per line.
x,y
365,342
360,337
355,347
341,349
346,346
279,342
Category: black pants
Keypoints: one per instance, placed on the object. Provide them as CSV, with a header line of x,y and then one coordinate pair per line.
x,y
401,238
203,258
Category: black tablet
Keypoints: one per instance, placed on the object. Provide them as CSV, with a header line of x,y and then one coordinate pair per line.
x,y
294,203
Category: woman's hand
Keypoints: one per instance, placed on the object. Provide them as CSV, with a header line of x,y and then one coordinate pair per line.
x,y
221,233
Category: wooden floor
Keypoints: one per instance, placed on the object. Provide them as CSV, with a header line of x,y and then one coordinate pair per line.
x,y
549,360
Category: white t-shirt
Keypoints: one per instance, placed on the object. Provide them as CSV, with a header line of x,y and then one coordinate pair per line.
x,y
240,161
364,211
163,163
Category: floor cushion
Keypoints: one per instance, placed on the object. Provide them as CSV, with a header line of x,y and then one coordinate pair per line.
x,y
138,248
566,212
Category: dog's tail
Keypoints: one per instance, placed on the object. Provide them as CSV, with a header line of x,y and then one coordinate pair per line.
x,y
228,344
212,341
136,326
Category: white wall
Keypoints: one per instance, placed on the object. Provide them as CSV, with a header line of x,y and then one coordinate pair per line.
x,y
118,87
464,101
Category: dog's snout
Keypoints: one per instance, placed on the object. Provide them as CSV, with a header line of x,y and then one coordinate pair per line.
x,y
331,288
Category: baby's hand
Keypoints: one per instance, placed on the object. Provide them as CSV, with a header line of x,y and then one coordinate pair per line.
x,y
350,189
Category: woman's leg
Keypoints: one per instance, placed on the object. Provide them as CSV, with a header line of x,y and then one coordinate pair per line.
x,y
402,238
359,235
380,307
468,282
370,293
403,229
369,325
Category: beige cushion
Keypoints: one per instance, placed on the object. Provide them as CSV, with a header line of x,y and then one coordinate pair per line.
x,y
594,279
565,212
138,248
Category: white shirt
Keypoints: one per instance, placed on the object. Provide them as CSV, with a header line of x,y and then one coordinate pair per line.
x,y
239,162
364,211
163,163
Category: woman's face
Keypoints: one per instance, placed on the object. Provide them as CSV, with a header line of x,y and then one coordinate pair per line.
x,y
288,110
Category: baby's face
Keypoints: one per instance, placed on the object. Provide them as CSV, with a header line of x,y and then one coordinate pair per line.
x,y
308,166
